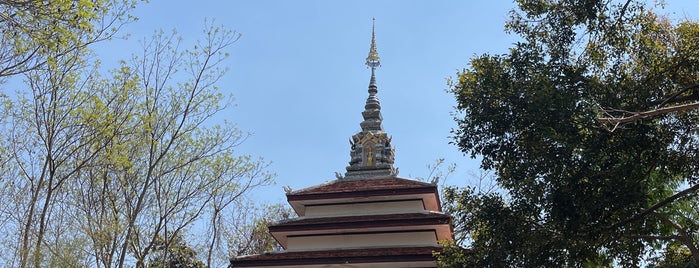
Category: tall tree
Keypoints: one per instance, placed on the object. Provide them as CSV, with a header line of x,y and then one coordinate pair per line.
x,y
46,43
573,192
108,170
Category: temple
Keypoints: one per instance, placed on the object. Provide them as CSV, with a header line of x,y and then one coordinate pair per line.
x,y
368,217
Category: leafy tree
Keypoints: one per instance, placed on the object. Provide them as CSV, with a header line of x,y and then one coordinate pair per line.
x,y
248,233
97,169
45,42
575,193
34,33
174,253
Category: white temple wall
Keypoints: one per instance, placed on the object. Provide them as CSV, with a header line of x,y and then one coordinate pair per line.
x,y
344,241
372,208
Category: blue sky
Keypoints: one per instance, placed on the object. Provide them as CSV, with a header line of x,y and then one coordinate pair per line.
x,y
300,83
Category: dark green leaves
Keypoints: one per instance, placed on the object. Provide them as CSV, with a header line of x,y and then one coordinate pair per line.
x,y
568,183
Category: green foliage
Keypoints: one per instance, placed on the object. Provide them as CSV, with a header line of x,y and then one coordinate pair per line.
x,y
112,161
175,253
35,33
569,183
251,236
452,256
674,256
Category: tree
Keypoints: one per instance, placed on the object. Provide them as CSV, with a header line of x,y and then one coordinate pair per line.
x,y
34,32
46,43
181,161
108,170
248,234
573,192
176,255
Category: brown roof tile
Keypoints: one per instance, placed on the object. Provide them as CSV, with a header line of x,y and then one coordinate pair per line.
x,y
366,255
364,221
358,187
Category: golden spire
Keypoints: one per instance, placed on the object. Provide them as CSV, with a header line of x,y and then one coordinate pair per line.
x,y
373,59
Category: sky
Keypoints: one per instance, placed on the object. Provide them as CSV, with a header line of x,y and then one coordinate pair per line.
x,y
299,80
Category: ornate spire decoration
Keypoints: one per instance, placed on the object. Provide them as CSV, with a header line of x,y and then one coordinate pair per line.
x,y
371,153
373,60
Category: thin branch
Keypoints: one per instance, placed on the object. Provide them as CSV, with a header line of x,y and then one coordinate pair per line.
x,y
641,115
623,12
683,236
676,94
658,205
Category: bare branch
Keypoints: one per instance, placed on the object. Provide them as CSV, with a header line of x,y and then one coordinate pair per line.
x,y
616,121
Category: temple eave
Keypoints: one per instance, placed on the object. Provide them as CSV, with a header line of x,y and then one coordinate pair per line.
x,y
380,257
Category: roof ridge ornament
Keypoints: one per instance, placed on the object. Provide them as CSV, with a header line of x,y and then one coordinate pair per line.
x,y
371,153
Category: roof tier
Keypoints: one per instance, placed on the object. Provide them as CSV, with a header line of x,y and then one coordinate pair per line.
x,y
372,189
438,224
370,257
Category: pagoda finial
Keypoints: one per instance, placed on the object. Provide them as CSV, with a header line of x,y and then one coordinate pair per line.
x,y
371,154
373,59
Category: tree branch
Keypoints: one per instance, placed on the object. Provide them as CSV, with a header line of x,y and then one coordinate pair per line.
x,y
640,115
676,94
658,205
683,236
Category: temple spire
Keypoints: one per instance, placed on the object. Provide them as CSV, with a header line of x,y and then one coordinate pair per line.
x,y
372,108
371,153
373,60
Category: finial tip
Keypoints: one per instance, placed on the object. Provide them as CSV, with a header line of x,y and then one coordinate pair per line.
x,y
373,59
